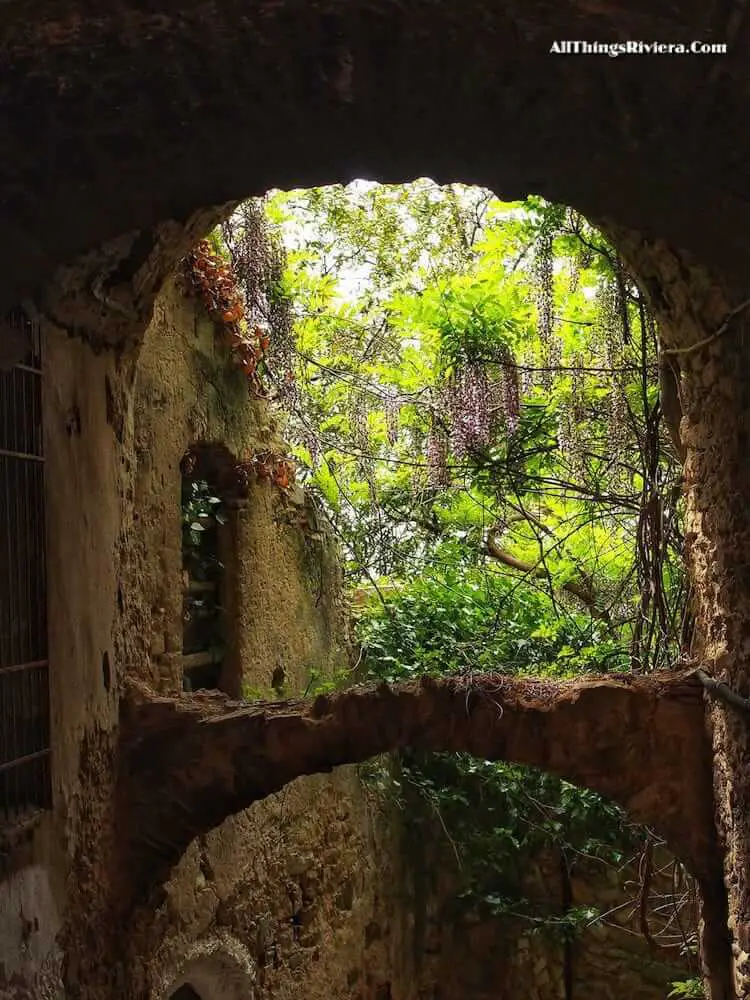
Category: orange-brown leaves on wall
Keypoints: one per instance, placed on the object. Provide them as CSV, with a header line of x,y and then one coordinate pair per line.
x,y
213,280
269,465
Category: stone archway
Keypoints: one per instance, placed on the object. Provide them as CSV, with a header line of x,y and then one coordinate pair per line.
x,y
149,113
195,763
185,992
215,968
218,101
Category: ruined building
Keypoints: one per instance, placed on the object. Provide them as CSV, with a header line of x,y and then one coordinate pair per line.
x,y
221,581
129,129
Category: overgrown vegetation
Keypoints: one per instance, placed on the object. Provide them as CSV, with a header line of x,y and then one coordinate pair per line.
x,y
472,393
203,633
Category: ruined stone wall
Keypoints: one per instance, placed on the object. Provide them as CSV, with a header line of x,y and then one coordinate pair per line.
x,y
85,479
307,892
290,887
285,893
462,950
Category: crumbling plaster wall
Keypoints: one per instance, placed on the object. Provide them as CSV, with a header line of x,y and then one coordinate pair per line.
x,y
293,882
288,608
86,476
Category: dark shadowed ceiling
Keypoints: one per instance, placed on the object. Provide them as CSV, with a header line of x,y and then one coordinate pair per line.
x,y
116,116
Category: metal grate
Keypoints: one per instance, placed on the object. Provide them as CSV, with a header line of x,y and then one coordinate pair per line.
x,y
25,784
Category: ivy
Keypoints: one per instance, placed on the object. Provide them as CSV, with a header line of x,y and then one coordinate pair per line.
x,y
496,817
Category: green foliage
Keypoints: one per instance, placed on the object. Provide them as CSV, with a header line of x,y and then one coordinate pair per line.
x,y
495,815
690,989
254,692
322,682
199,508
401,293
473,620
474,403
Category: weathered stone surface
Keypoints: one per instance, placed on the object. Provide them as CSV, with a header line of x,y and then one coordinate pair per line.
x,y
119,117
187,764
122,120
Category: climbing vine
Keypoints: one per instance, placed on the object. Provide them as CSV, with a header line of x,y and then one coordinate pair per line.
x,y
212,278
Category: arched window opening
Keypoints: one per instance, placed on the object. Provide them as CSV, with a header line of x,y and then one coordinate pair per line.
x,y
217,968
25,785
209,504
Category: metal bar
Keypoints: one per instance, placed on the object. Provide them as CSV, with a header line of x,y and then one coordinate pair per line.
x,y
24,456
10,656
26,759
21,611
28,561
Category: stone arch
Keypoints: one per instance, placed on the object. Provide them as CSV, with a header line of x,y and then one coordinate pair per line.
x,y
185,992
214,968
215,101
196,762
219,101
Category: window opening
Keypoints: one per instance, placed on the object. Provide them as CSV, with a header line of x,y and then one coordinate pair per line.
x,y
207,547
25,784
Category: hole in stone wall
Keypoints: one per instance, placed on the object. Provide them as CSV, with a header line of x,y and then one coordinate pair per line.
x,y
106,671
207,571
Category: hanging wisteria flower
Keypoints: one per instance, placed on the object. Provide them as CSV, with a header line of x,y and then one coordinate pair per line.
x,y
544,273
527,380
311,441
438,474
577,408
358,422
259,261
617,430
496,402
504,395
511,392
469,409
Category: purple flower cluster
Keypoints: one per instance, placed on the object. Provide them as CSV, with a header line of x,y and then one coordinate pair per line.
x,y
468,406
543,266
358,422
505,399
259,262
311,441
438,475
511,392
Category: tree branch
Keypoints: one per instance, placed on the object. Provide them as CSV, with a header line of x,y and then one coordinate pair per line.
x,y
582,591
